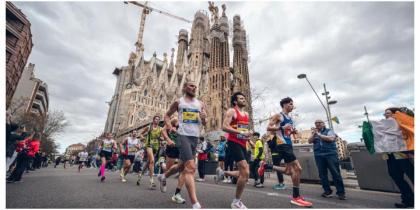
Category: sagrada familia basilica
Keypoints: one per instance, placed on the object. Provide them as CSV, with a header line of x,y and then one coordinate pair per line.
x,y
146,87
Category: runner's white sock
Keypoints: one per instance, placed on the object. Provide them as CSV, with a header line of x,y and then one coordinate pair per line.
x,y
236,200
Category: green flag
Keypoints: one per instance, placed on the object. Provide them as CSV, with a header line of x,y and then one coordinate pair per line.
x,y
368,137
335,119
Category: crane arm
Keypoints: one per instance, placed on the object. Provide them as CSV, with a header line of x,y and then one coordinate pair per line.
x,y
156,10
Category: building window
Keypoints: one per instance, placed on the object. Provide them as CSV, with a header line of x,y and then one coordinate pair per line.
x,y
145,92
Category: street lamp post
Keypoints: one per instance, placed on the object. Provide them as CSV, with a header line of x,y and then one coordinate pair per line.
x,y
327,109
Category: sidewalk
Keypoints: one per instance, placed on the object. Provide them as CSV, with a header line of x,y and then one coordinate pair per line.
x,y
271,179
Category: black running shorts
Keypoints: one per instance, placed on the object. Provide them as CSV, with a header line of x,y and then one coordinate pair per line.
x,y
236,151
106,154
129,157
286,152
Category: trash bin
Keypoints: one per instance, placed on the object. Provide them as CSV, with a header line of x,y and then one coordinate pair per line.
x,y
371,170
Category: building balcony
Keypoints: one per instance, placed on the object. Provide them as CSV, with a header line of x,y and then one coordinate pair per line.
x,y
37,104
43,98
43,91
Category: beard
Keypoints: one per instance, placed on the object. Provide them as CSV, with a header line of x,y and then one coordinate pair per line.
x,y
190,94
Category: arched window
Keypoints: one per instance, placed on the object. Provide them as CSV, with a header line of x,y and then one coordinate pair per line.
x,y
145,92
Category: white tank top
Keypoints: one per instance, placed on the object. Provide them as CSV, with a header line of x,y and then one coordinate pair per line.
x,y
107,144
189,117
131,144
83,156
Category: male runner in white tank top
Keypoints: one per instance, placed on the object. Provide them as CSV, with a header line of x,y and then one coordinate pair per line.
x,y
191,114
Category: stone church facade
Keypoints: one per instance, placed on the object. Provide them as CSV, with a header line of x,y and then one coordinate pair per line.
x,y
146,88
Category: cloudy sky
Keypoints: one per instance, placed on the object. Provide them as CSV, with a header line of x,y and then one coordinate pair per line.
x,y
362,51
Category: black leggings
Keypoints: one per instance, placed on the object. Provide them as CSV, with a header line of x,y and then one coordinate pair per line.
x,y
201,168
255,166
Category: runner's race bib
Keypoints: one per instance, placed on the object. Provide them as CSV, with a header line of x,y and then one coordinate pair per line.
x,y
190,116
108,146
132,149
242,127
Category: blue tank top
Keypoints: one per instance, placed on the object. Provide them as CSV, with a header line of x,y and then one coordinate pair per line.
x,y
286,134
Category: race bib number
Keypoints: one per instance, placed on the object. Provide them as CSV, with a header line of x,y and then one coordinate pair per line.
x,y
242,127
132,149
108,146
190,116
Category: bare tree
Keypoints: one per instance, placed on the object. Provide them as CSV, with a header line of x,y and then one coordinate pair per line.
x,y
56,123
49,126
258,98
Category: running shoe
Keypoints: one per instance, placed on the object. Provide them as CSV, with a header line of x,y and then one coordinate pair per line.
x,y
327,194
219,175
162,181
259,185
342,197
200,180
280,186
225,181
237,205
123,180
261,169
300,201
102,179
176,198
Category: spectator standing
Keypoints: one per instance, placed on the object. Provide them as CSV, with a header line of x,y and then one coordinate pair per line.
x,y
202,157
326,158
399,164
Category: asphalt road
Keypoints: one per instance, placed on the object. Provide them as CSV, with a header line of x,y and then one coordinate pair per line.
x,y
66,188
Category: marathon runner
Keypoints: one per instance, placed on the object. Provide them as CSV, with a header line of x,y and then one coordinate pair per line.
x,y
236,124
106,147
83,155
172,154
129,147
152,144
283,126
191,114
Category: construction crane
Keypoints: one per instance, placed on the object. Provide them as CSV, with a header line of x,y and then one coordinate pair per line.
x,y
146,10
